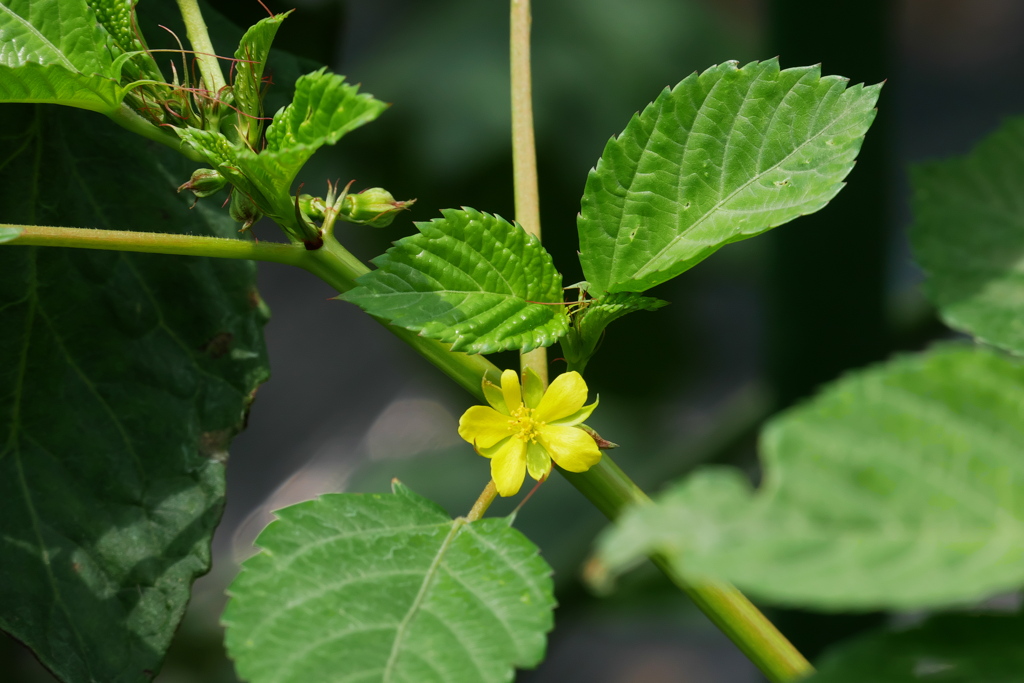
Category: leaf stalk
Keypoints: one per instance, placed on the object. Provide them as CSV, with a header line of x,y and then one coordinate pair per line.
x,y
206,56
128,118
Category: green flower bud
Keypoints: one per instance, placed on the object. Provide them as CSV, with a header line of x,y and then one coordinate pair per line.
x,y
374,207
204,182
244,210
312,207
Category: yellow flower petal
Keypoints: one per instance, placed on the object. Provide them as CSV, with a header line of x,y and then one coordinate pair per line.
x,y
564,396
510,389
508,467
572,448
538,462
483,426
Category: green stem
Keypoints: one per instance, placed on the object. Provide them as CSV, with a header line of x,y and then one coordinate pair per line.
x,y
333,264
158,243
128,118
524,153
487,497
744,624
195,27
611,491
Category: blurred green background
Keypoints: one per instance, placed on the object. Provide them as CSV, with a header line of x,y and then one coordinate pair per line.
x,y
756,327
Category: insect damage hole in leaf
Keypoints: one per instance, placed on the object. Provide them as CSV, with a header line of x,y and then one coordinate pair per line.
x,y
725,155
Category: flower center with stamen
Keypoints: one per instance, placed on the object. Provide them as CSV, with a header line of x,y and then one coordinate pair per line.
x,y
523,425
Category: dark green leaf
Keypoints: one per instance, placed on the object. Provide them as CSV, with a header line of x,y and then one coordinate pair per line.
x,y
55,51
951,648
723,156
378,587
469,279
123,378
897,487
968,237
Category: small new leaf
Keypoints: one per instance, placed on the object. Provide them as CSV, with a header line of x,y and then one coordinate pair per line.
x,y
323,109
591,318
723,156
469,279
968,237
251,57
897,488
378,587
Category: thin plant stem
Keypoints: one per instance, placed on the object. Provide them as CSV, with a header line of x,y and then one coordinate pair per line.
x,y
158,243
206,56
744,624
524,153
487,497
611,491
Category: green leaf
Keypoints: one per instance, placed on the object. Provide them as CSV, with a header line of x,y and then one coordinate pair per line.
x,y
897,487
968,236
951,648
723,156
252,53
377,587
55,51
469,279
590,321
323,110
123,378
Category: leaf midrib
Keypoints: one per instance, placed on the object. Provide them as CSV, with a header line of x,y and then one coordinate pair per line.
x,y
646,269
428,578
649,268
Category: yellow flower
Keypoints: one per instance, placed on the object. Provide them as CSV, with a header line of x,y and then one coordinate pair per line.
x,y
524,429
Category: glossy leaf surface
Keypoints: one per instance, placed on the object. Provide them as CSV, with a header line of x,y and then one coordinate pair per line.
x,y
52,51
897,487
469,279
968,237
723,156
123,378
386,588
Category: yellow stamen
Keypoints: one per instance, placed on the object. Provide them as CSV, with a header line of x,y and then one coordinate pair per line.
x,y
523,424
